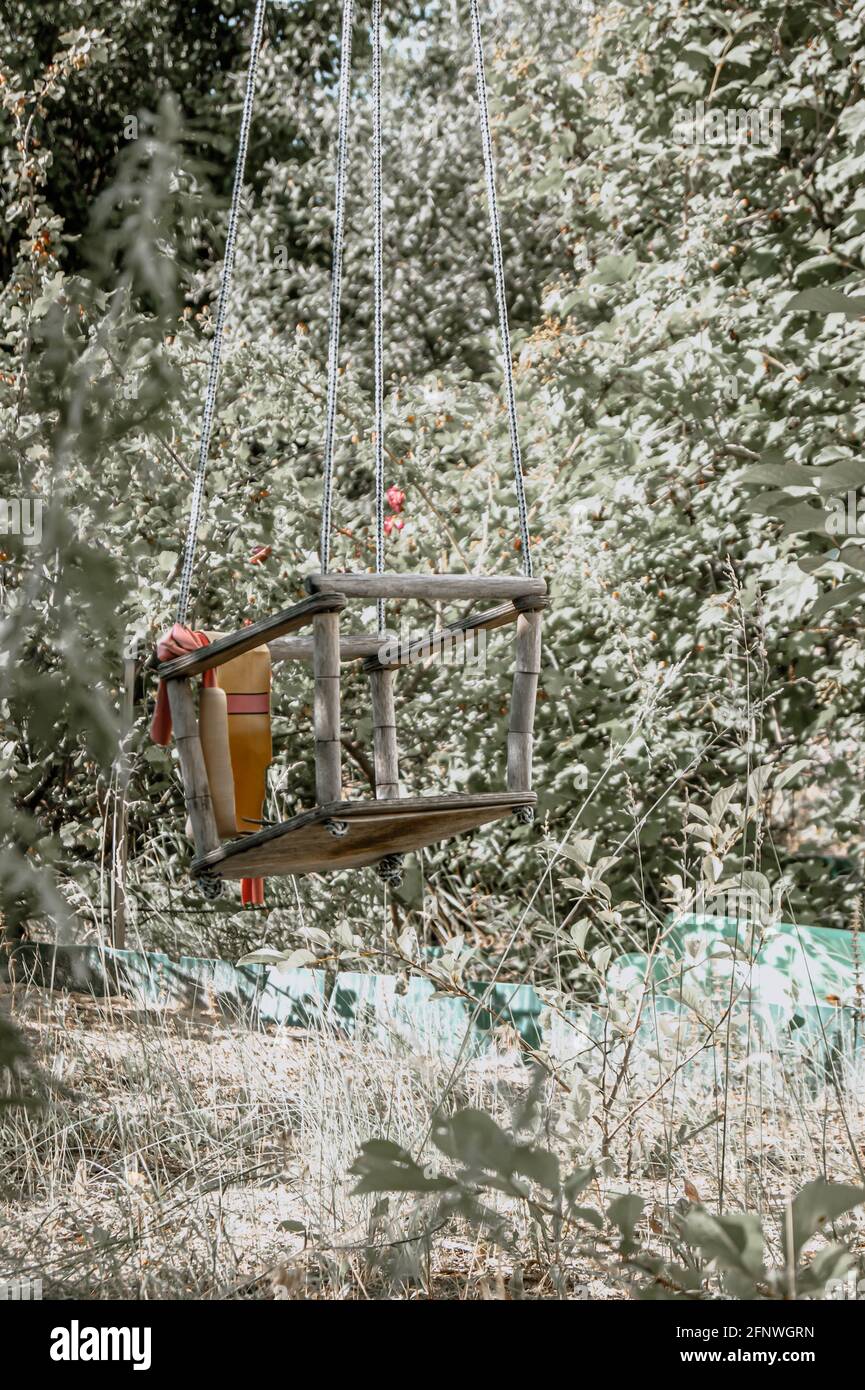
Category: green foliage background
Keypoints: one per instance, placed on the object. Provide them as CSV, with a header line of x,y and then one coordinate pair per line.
x,y
688,335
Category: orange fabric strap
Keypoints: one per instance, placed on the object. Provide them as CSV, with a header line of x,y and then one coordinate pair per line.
x,y
248,704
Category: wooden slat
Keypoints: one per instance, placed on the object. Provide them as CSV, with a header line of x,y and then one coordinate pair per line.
x,y
523,700
436,587
302,845
325,666
385,754
520,731
227,648
432,643
193,771
351,648
120,845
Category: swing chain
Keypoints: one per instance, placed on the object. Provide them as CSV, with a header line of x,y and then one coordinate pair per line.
x,y
336,292
336,282
211,885
389,869
499,274
378,301
191,540
378,290
525,815
219,327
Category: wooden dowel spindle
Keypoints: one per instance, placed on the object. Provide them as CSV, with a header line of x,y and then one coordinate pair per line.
x,y
523,699
195,784
325,666
385,755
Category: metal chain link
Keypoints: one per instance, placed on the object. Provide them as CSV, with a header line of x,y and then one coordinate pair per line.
x,y
378,301
498,270
336,296
222,305
336,281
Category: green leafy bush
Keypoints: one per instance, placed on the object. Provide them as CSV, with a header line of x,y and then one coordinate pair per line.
x,y
705,1254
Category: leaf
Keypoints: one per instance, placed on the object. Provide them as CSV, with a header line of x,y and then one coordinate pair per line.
x,y
833,598
601,958
579,932
316,934
742,54
789,774
580,849
757,781
826,301
615,269
625,1212
264,955
804,519
852,120
720,801
383,1166
782,475
577,1182
589,1215
854,557
755,881
299,958
473,1139
407,943
733,1242
830,1263
539,1165
817,1203
844,474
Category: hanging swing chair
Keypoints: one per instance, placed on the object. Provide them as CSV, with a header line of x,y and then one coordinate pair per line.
x,y
224,745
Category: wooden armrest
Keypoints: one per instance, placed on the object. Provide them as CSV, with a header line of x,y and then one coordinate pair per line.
x,y
436,587
417,648
226,648
351,648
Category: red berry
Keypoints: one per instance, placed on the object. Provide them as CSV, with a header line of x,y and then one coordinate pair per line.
x,y
395,498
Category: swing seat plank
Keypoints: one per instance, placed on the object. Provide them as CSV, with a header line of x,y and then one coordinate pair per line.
x,y
236,643
304,845
433,587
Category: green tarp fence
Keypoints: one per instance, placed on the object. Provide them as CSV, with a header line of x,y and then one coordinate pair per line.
x,y
391,1010
784,978
802,984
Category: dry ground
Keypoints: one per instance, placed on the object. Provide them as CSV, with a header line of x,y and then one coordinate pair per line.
x,y
181,1157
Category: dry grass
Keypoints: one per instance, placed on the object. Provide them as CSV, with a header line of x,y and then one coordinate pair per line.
x,y
180,1157
174,1147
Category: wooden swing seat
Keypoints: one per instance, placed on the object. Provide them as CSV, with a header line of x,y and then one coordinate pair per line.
x,y
304,845
341,834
